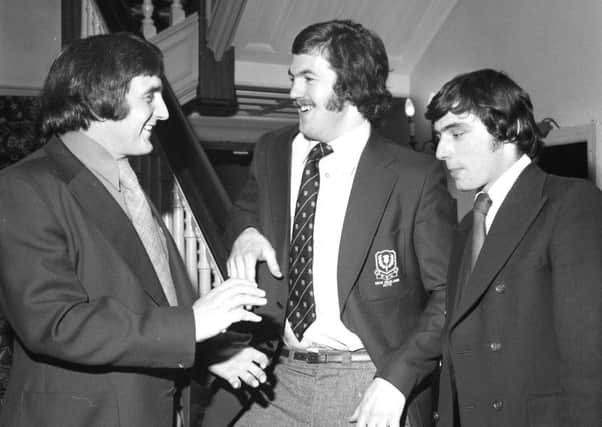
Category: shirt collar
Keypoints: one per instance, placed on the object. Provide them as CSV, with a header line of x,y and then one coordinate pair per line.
x,y
501,187
347,148
93,155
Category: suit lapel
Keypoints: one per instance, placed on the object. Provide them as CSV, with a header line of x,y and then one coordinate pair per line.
x,y
520,208
107,215
370,193
279,178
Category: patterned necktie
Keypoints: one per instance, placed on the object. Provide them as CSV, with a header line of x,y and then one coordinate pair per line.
x,y
479,212
301,306
147,228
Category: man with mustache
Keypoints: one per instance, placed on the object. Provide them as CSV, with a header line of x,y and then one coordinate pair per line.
x,y
105,317
349,234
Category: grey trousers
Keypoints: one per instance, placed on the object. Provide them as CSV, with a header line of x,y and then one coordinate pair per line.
x,y
316,395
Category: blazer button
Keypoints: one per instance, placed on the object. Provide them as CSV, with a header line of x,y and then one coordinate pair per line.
x,y
497,405
500,288
435,416
495,346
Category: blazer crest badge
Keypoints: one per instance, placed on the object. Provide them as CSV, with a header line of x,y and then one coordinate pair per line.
x,y
386,272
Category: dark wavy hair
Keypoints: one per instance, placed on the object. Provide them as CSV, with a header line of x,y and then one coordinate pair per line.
x,y
359,59
503,106
88,81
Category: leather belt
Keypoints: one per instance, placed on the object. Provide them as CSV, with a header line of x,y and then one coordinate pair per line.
x,y
326,356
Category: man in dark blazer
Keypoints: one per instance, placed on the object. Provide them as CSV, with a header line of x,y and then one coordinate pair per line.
x,y
381,242
523,339
104,335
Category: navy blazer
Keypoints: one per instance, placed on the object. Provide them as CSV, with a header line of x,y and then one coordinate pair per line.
x,y
523,340
97,343
398,205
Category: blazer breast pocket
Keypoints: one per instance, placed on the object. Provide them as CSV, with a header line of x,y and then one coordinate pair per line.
x,y
384,274
525,265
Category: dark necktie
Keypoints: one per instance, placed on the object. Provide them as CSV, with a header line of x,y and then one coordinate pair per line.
x,y
301,309
479,212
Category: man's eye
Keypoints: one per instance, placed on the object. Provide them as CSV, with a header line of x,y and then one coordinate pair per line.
x,y
458,134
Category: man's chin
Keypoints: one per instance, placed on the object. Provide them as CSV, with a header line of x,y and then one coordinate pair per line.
x,y
146,147
461,186
308,133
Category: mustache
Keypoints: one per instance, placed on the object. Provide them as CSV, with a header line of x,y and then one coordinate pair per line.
x,y
300,102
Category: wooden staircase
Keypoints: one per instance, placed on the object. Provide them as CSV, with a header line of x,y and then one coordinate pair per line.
x,y
178,176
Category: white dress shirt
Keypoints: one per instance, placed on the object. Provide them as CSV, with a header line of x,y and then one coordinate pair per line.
x,y
337,172
501,187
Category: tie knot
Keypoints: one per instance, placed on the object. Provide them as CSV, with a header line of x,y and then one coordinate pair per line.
x,y
320,150
127,176
482,203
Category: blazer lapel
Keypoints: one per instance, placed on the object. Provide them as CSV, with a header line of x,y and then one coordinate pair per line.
x,y
107,215
370,193
279,192
279,178
521,206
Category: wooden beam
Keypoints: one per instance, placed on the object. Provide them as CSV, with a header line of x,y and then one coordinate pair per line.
x,y
71,21
216,93
223,24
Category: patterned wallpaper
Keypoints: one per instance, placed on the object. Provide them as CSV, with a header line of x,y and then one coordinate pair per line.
x,y
17,128
17,139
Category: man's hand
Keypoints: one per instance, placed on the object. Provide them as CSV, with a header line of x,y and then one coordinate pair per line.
x,y
225,305
381,405
248,249
247,366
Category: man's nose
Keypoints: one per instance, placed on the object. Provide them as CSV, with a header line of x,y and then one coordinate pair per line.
x,y
442,151
161,112
296,90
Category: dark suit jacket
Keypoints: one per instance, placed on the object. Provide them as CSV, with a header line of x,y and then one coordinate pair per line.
x,y
97,344
6,355
523,339
399,203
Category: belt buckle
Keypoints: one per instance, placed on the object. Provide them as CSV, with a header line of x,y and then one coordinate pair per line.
x,y
313,357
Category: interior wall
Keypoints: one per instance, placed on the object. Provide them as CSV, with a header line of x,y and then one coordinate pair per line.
x,y
552,48
30,38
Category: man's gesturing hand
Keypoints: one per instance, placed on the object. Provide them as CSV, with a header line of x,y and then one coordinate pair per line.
x,y
248,249
225,305
381,405
245,366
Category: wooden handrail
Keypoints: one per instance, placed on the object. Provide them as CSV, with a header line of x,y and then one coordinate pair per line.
x,y
204,191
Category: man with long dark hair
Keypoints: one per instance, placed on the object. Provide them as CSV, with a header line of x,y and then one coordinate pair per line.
x,y
355,233
523,341
90,280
